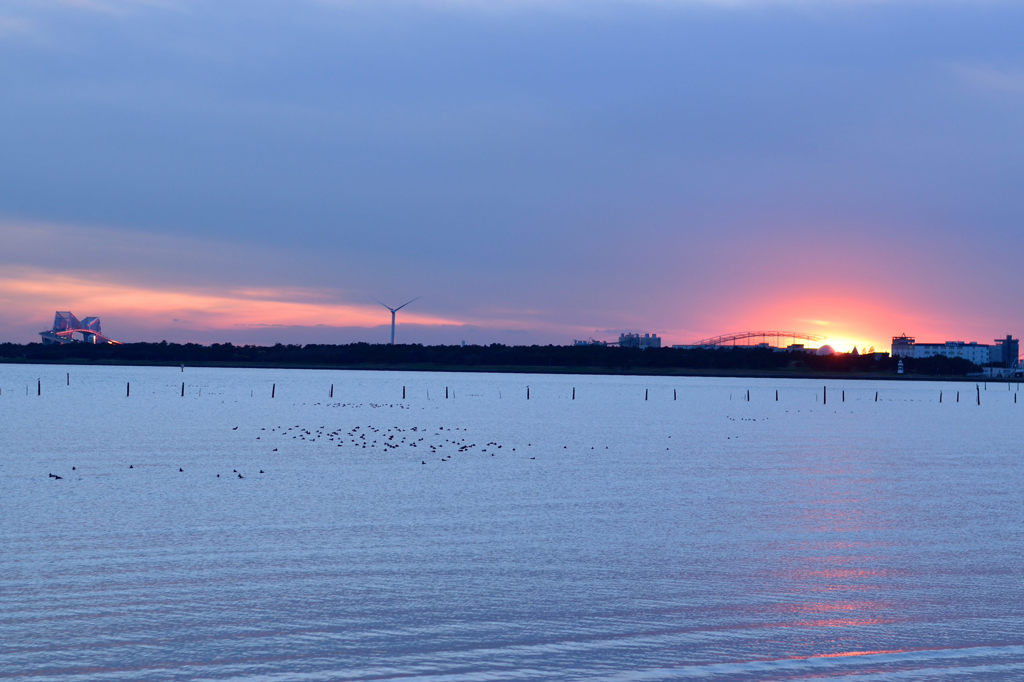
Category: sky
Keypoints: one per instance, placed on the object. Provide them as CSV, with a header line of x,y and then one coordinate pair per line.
x,y
533,170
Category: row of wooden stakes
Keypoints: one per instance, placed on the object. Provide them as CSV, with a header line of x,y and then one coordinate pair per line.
x,y
824,392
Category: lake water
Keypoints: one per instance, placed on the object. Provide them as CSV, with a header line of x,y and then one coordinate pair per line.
x,y
490,537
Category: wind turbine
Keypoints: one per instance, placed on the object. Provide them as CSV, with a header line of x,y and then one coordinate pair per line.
x,y
393,311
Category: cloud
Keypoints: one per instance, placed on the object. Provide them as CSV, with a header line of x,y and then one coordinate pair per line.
x,y
491,5
128,256
155,281
155,278
106,6
991,78
88,5
34,292
13,26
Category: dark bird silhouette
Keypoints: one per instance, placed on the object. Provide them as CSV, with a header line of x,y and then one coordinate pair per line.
x,y
241,476
180,469
235,428
131,466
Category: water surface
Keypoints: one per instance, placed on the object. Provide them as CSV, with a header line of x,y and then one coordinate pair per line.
x,y
694,533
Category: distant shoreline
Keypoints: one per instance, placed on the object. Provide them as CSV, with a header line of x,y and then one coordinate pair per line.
x,y
745,362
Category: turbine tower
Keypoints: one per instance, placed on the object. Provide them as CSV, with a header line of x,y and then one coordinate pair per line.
x,y
393,311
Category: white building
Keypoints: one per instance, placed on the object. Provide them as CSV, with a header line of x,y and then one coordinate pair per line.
x,y
1003,352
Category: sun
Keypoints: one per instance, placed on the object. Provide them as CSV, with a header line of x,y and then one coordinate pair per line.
x,y
846,344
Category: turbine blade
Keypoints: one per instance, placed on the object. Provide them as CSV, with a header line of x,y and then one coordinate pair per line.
x,y
407,303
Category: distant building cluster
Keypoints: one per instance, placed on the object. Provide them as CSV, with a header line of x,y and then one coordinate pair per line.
x,y
627,340
1002,353
639,340
66,325
1000,358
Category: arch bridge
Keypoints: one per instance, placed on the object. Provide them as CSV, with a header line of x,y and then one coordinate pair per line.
x,y
750,338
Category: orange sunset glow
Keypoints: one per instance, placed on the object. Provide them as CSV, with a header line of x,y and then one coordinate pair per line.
x,y
136,281
31,292
846,322
843,323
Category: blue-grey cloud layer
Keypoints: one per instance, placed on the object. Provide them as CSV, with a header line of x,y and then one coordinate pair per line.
x,y
599,163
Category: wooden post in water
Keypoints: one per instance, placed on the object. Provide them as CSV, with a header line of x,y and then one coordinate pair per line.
x,y
331,394
876,396
776,395
446,393
183,389
958,396
39,386
574,393
940,397
979,393
844,395
527,392
748,395
673,394
127,389
273,390
403,393
824,395
645,394
69,378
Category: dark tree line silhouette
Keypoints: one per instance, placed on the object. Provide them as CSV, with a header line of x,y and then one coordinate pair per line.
x,y
494,357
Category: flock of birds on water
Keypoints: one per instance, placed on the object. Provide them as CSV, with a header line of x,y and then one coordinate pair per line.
x,y
453,440
445,442
440,444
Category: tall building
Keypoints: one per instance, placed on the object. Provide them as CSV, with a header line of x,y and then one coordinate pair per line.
x,y
1008,351
1004,352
